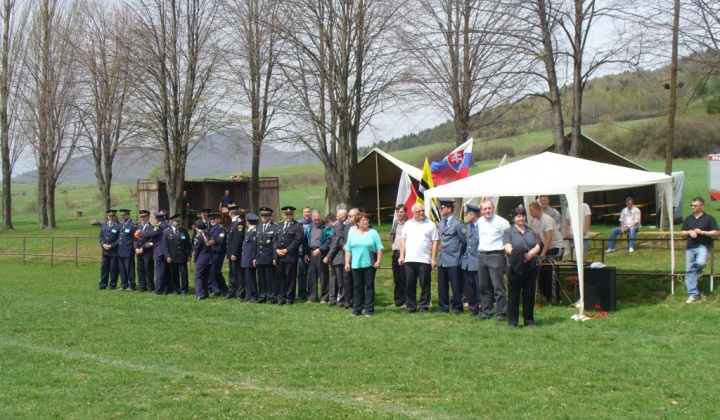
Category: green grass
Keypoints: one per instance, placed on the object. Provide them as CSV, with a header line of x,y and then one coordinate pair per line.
x,y
70,351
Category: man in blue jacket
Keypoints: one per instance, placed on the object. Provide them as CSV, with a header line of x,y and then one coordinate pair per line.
x,y
109,239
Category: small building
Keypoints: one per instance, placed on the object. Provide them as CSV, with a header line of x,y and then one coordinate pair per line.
x,y
206,193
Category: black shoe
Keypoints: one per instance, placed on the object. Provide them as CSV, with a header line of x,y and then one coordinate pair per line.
x,y
253,301
102,287
501,319
272,302
409,311
483,318
422,311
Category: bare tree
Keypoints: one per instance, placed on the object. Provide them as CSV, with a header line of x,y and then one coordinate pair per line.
x,y
11,143
104,54
465,62
700,32
176,57
52,93
343,66
253,54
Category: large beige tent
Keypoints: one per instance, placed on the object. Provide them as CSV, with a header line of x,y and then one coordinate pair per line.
x,y
550,173
378,176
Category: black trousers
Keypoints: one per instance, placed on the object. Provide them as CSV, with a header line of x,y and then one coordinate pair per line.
x,y
237,282
521,286
163,285
202,277
217,280
549,289
472,290
127,272
109,272
364,293
179,276
318,270
491,269
249,283
348,286
287,275
146,271
414,272
450,277
337,287
267,282
399,279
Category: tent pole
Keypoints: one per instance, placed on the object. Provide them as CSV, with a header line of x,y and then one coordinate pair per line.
x,y
377,188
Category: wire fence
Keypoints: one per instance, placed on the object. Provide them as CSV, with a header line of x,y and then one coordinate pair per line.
x,y
55,248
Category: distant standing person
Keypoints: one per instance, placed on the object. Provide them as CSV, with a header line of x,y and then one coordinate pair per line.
x,y
363,254
217,241
126,251
491,262
552,245
185,206
522,247
109,240
629,224
469,262
177,250
247,258
154,236
144,252
225,201
302,276
287,250
336,256
544,202
265,257
452,243
418,253
699,228
399,278
203,261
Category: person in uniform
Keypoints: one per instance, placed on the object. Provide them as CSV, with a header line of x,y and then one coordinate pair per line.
x,y
203,260
143,250
205,217
154,236
469,263
247,258
109,240
265,257
288,240
235,237
176,248
452,247
217,243
126,251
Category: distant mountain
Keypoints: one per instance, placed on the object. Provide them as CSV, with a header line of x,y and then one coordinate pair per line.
x,y
220,153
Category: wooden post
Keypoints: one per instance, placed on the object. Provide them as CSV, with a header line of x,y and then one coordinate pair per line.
x,y
377,188
24,250
52,250
76,251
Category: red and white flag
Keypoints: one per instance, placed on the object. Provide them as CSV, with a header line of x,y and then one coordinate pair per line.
x,y
406,194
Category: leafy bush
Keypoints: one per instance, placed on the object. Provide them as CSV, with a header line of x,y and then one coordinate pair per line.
x,y
31,207
713,105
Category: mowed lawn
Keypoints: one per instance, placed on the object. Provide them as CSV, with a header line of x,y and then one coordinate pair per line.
x,y
71,351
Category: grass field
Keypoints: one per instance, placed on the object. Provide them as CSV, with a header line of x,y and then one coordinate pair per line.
x,y
70,351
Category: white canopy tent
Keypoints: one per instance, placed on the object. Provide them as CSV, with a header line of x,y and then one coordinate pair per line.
x,y
550,173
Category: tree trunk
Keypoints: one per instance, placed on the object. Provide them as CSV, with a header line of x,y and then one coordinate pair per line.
x,y
50,198
4,124
578,86
255,175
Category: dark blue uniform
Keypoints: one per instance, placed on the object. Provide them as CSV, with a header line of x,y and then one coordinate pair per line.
x,y
450,251
290,237
126,254
109,235
145,262
235,236
176,247
217,280
265,258
246,265
469,267
162,285
203,263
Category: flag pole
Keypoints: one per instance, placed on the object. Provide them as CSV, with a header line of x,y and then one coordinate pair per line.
x,y
377,187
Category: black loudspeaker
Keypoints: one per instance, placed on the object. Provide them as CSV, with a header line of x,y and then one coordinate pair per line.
x,y
599,290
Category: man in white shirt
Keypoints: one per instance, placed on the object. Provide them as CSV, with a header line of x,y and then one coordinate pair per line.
x,y
491,262
418,252
548,235
629,224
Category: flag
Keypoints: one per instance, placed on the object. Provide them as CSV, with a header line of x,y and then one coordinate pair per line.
x,y
454,166
406,194
425,184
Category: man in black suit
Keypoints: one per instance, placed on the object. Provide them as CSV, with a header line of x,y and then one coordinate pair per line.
x,y
288,240
336,257
235,237
109,239
265,257
126,251
154,237
247,258
217,242
176,248
144,252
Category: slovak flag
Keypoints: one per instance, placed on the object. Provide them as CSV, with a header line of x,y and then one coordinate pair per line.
x,y
455,166
406,194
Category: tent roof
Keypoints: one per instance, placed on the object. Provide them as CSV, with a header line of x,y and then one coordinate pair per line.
x,y
547,173
389,169
592,150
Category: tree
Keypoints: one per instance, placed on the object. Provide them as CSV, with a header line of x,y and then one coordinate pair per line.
x,y
253,54
342,66
104,54
11,142
175,55
52,94
464,59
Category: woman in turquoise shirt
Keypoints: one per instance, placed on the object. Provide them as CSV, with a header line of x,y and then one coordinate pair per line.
x,y
363,253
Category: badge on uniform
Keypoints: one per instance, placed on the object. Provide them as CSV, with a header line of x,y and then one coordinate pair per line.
x,y
114,231
182,237
222,235
268,241
464,230
127,230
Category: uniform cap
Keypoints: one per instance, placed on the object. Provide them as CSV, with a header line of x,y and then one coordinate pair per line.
x,y
205,212
473,209
124,211
266,211
288,209
110,212
201,225
214,216
159,215
446,203
233,207
143,213
252,217
176,218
